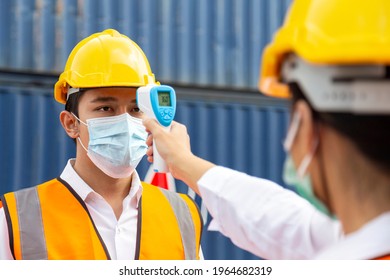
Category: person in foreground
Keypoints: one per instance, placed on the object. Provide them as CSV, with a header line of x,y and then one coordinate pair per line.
x,y
98,208
332,59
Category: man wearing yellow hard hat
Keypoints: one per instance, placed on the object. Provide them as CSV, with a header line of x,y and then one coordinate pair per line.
x,y
98,208
332,59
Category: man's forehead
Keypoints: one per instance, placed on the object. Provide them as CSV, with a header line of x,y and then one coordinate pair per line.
x,y
113,90
110,94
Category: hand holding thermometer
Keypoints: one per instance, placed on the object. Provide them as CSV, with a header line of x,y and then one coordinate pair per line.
x,y
158,102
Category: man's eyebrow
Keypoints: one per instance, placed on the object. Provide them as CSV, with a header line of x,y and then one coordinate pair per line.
x,y
103,99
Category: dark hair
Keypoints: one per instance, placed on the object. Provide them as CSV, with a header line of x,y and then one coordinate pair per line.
x,y
370,133
72,104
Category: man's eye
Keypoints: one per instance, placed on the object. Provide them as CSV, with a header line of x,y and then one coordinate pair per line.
x,y
104,109
136,112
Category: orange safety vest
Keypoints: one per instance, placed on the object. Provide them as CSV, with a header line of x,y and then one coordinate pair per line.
x,y
50,221
387,257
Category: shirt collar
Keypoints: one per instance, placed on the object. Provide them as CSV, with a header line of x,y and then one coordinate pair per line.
x,y
369,242
84,190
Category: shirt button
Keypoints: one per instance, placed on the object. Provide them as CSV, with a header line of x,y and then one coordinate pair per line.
x,y
118,230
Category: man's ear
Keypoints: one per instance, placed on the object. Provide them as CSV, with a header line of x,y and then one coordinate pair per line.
x,y
307,129
70,124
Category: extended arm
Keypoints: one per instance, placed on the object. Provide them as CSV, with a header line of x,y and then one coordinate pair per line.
x,y
256,214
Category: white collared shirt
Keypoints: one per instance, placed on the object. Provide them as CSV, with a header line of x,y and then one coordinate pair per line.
x,y
369,242
119,236
273,223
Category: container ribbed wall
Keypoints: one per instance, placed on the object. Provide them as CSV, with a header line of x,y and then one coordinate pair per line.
x,y
201,42
240,130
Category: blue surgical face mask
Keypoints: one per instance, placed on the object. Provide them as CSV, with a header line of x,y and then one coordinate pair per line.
x,y
116,144
297,177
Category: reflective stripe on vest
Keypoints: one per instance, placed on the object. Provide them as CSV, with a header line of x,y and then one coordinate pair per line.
x,y
159,207
42,225
186,225
32,238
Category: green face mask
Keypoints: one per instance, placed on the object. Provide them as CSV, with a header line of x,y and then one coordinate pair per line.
x,y
298,177
303,185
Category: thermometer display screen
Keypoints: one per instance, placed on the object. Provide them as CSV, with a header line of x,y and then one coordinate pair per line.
x,y
164,99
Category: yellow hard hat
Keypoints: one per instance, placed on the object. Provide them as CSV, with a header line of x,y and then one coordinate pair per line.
x,y
104,59
328,32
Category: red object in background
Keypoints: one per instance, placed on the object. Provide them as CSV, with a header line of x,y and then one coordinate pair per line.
x,y
162,180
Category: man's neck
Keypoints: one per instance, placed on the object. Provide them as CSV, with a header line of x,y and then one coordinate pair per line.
x,y
360,190
112,190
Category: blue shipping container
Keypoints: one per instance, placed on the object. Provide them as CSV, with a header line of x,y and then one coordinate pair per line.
x,y
201,42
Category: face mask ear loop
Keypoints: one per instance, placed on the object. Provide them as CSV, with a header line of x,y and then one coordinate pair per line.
x,y
78,138
292,132
79,120
308,158
81,143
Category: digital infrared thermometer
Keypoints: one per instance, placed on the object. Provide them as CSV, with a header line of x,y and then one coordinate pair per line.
x,y
158,102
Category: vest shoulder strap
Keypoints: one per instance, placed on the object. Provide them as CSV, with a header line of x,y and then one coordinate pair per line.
x,y
196,217
185,222
26,230
168,214
37,215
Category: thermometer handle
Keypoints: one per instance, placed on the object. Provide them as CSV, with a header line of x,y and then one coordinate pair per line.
x,y
159,165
